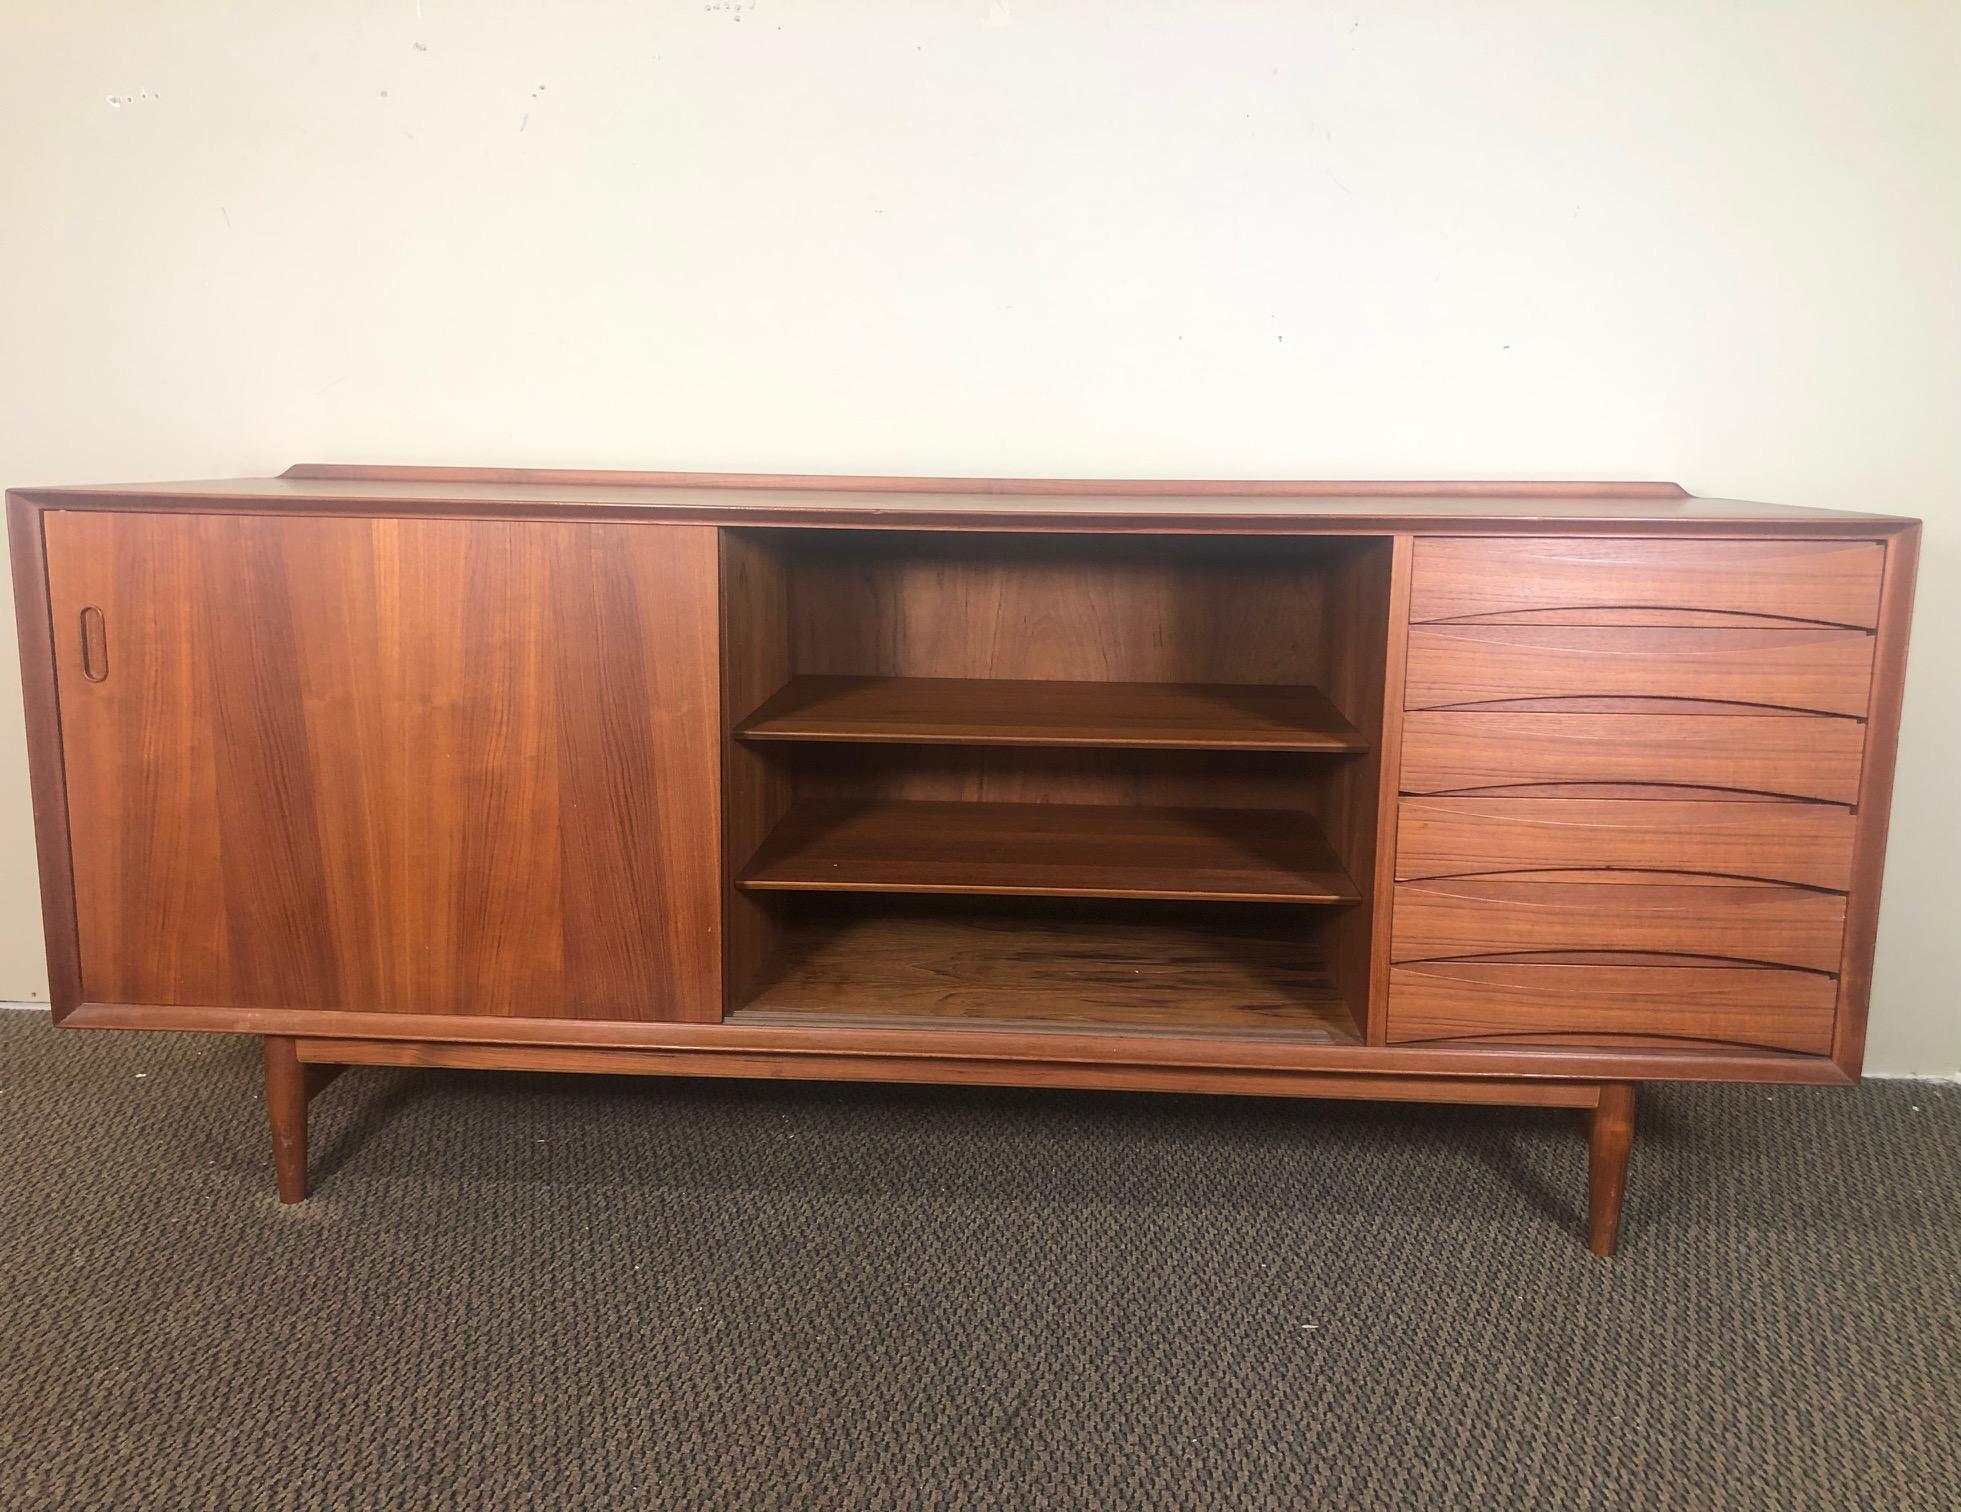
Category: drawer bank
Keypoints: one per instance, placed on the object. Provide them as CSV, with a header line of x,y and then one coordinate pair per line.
x,y
1515,793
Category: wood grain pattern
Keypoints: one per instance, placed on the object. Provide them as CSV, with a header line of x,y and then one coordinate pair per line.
x,y
1787,756
1774,926
902,603
1049,850
1821,671
1604,581
1032,712
1805,843
1763,1007
393,765
1191,970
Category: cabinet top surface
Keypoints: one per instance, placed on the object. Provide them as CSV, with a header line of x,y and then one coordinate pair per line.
x,y
1029,503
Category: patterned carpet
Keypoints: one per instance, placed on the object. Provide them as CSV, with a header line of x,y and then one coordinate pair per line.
x,y
516,1292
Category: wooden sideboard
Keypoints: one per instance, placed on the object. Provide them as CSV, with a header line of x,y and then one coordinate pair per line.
x,y
1460,792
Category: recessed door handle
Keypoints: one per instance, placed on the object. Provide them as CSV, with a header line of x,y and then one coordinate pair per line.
x,y
95,645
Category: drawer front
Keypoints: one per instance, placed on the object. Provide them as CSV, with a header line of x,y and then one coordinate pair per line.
x,y
1771,1009
1788,756
1805,843
1608,581
1793,668
1775,926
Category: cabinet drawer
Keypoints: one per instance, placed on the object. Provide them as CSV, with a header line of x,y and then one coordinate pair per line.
x,y
1776,926
1607,581
1777,1010
1805,843
1786,755
1790,668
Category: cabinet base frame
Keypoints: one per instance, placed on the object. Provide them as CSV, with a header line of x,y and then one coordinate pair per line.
x,y
296,1068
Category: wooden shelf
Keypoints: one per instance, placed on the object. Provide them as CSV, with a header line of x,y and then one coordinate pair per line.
x,y
1049,850
1020,712
1211,972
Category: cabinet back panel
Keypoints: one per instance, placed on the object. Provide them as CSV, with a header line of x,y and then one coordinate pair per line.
x,y
1124,609
1008,774
393,765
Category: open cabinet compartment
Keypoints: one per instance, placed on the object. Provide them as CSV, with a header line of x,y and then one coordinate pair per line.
x,y
1085,965
969,766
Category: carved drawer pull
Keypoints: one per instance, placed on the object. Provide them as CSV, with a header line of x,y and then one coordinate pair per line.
x,y
95,645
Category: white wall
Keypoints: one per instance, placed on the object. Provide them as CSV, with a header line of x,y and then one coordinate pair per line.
x,y
1715,243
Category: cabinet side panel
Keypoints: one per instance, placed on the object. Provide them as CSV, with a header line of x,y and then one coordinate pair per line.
x,y
47,781
1875,797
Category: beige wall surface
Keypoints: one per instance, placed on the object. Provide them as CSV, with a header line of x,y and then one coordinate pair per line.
x,y
1465,238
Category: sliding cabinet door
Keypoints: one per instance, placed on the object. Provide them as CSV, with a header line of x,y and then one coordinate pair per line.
x,y
391,766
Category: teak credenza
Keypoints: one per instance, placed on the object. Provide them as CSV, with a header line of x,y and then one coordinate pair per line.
x,y
1462,792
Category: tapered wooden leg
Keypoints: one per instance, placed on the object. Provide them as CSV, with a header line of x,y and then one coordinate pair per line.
x,y
286,1093
1611,1137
